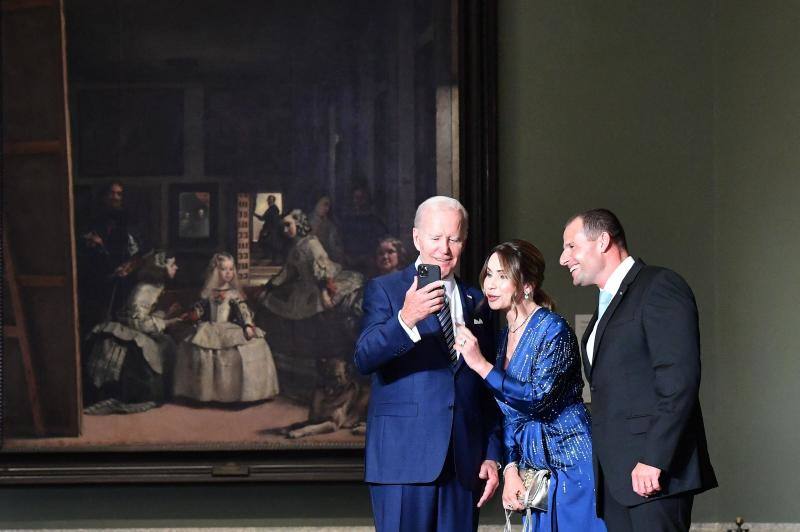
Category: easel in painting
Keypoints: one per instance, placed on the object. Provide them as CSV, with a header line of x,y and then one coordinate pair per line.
x,y
19,331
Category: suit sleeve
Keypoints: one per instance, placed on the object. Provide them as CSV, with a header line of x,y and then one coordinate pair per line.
x,y
382,338
671,328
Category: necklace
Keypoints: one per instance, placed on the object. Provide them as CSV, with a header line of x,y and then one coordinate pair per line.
x,y
515,329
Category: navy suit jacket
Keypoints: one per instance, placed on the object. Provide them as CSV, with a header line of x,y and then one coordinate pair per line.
x,y
645,380
420,404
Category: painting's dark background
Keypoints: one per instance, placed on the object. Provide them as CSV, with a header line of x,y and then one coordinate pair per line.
x,y
304,97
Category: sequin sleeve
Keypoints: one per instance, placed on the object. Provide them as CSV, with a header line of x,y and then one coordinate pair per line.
x,y
511,426
548,376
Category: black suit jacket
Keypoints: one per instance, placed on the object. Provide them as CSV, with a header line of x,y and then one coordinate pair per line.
x,y
645,379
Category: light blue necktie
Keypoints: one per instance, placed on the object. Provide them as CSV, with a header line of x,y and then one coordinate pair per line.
x,y
602,305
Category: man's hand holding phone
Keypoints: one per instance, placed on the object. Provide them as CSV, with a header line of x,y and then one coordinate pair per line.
x,y
424,297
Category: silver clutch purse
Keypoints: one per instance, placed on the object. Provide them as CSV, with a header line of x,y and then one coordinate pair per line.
x,y
537,487
535,498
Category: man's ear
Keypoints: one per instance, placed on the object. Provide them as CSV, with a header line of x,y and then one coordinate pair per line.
x,y
415,236
605,241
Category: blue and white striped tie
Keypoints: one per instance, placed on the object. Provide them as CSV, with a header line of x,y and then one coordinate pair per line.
x,y
446,321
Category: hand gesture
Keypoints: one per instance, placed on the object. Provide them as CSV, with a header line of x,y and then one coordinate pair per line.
x,y
644,479
419,304
174,310
124,269
93,239
488,473
467,345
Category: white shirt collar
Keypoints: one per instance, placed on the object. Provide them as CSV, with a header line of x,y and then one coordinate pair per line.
x,y
616,278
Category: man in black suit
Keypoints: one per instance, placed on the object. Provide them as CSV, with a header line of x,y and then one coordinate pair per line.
x,y
641,354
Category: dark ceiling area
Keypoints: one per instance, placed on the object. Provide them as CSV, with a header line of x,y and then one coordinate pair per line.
x,y
132,40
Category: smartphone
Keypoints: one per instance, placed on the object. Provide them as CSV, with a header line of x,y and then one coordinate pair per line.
x,y
428,273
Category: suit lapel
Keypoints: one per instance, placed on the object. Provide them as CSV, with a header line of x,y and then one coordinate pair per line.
x,y
587,366
609,313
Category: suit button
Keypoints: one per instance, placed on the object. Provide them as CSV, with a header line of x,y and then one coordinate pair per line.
x,y
592,388
450,407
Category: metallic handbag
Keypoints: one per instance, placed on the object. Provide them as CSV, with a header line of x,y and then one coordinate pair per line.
x,y
535,498
537,487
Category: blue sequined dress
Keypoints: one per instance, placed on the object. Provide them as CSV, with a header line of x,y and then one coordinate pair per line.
x,y
545,424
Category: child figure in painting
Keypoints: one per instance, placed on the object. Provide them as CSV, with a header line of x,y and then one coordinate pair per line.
x,y
226,359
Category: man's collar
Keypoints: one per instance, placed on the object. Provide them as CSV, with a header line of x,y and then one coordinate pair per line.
x,y
616,278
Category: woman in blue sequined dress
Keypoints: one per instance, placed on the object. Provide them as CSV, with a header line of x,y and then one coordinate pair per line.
x,y
537,382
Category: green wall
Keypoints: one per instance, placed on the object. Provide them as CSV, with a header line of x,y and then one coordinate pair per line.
x,y
611,104
757,165
684,118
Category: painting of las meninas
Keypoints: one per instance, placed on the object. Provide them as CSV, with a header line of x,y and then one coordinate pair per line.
x,y
213,187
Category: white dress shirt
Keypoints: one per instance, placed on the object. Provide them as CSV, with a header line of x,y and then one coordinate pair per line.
x,y
612,285
456,311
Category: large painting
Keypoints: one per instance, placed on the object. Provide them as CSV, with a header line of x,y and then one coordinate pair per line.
x,y
235,177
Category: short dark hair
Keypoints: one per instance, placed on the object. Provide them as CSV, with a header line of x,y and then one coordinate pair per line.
x,y
597,221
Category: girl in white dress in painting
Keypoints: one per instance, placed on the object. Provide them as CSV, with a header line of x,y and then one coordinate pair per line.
x,y
227,359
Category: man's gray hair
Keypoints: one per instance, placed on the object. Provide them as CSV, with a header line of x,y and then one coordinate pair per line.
x,y
442,203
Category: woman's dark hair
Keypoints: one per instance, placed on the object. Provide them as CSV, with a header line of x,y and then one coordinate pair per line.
x,y
523,263
154,269
398,247
301,221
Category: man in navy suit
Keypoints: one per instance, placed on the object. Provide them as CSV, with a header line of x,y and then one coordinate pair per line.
x,y
433,442
641,356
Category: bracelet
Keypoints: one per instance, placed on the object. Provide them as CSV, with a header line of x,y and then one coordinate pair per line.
x,y
508,465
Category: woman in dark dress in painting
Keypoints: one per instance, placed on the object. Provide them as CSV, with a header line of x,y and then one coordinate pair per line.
x,y
129,366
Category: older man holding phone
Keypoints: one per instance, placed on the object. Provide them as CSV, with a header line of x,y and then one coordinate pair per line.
x,y
433,441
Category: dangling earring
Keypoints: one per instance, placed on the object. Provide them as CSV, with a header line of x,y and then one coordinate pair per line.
x,y
527,296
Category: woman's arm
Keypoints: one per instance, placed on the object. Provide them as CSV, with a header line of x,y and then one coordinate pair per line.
x,y
551,370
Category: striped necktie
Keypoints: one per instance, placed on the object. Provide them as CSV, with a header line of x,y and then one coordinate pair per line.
x,y
446,321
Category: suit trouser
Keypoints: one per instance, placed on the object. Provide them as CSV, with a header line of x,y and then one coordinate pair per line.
x,y
668,514
441,506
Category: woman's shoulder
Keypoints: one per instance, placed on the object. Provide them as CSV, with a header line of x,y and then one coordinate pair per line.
x,y
146,290
554,324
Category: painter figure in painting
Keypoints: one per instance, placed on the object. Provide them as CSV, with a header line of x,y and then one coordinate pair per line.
x,y
108,252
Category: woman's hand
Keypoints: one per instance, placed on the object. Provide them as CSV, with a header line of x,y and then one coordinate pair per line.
x,y
513,488
249,332
467,345
327,299
175,310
